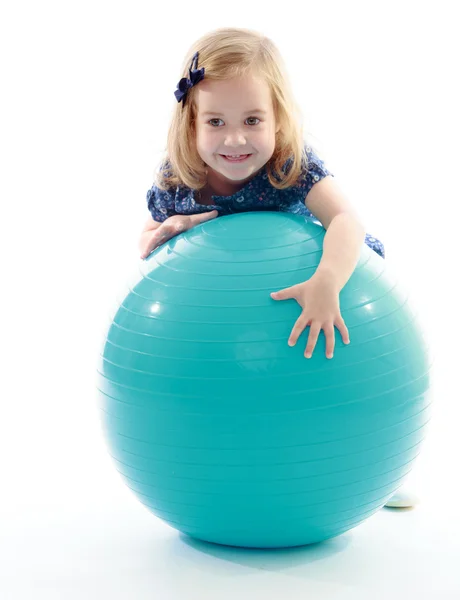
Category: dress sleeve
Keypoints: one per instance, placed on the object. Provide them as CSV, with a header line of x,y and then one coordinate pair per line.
x,y
160,203
317,171
314,173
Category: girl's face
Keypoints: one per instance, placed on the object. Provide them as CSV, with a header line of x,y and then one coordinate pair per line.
x,y
234,117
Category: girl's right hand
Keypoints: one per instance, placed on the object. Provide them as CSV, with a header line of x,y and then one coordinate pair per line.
x,y
171,227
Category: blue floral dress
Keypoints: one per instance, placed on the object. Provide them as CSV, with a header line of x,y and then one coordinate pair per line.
x,y
257,194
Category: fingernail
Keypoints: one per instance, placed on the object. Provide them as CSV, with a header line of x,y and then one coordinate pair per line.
x,y
307,355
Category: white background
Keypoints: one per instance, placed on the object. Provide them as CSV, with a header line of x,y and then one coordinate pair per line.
x,y
87,93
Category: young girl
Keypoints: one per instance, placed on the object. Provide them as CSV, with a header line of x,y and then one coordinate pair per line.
x,y
235,144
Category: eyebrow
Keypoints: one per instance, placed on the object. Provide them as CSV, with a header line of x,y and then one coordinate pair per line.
x,y
256,110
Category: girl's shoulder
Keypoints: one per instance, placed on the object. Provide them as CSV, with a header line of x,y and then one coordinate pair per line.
x,y
161,202
313,169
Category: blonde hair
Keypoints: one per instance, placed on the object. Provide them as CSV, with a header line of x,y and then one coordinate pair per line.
x,y
226,53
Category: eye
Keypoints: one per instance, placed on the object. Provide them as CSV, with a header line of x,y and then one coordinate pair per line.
x,y
256,118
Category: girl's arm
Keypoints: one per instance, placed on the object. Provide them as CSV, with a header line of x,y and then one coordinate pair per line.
x,y
345,233
150,225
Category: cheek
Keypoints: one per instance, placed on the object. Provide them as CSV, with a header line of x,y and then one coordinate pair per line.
x,y
208,141
202,140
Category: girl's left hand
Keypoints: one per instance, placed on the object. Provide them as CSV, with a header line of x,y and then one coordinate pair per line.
x,y
319,300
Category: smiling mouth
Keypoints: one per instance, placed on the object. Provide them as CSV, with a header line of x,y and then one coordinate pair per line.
x,y
241,157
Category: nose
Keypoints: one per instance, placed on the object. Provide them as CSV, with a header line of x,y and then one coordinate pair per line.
x,y
235,139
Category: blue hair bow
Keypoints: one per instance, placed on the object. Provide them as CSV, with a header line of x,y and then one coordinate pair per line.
x,y
196,75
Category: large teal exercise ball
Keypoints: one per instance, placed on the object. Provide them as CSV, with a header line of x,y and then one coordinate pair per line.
x,y
228,434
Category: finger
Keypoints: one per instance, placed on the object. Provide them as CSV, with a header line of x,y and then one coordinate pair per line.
x,y
289,292
174,226
330,339
202,217
340,324
159,236
315,328
299,326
